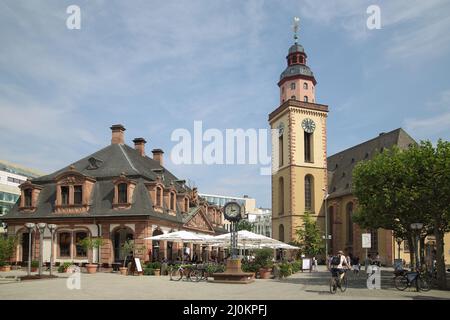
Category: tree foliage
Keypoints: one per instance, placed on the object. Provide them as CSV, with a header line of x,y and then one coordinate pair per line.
x,y
400,187
245,225
309,237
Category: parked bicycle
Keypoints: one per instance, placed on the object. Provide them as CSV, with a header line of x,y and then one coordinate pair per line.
x,y
336,281
405,279
190,272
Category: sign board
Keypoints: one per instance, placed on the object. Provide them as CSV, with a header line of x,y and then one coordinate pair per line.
x,y
398,264
366,240
306,264
138,264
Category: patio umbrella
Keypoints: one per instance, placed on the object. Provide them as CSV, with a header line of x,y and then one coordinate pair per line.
x,y
179,236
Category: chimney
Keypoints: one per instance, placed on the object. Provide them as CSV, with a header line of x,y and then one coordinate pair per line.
x,y
139,145
117,134
158,155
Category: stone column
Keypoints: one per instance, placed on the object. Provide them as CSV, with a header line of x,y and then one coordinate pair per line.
x,y
106,254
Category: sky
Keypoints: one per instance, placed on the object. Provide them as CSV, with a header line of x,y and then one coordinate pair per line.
x,y
157,66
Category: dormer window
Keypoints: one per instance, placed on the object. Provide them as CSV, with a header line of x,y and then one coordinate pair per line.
x,y
72,192
159,196
78,195
172,201
65,195
28,197
123,192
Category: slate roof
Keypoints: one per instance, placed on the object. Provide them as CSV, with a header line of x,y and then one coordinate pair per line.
x,y
106,165
340,165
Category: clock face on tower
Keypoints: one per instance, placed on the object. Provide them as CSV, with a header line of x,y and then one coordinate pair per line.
x,y
232,211
308,125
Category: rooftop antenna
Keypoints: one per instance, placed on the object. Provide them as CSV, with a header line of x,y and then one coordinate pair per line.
x,y
296,27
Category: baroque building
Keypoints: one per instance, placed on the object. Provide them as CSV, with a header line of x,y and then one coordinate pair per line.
x,y
117,193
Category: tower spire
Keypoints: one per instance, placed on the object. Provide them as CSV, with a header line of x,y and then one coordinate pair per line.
x,y
296,27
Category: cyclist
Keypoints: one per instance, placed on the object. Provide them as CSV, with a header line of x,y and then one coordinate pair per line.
x,y
337,264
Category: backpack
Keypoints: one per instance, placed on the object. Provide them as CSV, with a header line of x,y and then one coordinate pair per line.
x,y
335,261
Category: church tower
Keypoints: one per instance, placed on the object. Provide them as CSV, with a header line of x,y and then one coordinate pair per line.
x,y
299,144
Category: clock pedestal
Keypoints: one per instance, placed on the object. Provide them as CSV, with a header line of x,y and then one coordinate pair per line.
x,y
233,273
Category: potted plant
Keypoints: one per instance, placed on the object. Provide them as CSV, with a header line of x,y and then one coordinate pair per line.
x,y
156,266
125,249
89,244
34,265
64,267
263,258
7,246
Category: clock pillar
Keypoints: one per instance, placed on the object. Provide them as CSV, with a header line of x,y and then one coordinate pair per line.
x,y
299,158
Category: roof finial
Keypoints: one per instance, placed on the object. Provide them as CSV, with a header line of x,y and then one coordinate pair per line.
x,y
296,27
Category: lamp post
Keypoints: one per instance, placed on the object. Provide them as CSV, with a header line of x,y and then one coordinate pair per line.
x,y
30,226
41,227
399,242
52,228
417,227
326,221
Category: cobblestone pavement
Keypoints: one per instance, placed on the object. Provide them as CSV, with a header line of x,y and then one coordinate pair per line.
x,y
114,286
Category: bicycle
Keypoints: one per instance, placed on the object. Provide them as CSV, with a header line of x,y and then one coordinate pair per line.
x,y
406,279
177,273
336,281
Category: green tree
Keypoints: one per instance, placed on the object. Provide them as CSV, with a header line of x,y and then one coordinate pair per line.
x,y
245,225
7,246
90,243
309,237
400,187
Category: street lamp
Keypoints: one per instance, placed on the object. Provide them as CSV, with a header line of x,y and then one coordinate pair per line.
x,y
417,227
326,221
41,227
399,242
52,228
30,226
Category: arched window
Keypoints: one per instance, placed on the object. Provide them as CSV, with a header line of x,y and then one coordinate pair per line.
x,y
281,233
305,86
349,213
80,250
293,97
159,196
78,194
281,196
280,150
28,197
292,85
122,193
64,244
305,98
172,201
308,145
309,188
64,195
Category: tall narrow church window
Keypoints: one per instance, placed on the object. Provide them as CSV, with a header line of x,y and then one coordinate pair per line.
x,y
309,193
64,195
122,191
281,195
305,98
281,233
280,151
292,85
308,143
305,85
349,223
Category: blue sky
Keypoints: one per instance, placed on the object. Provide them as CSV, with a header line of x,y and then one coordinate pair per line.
x,y
156,66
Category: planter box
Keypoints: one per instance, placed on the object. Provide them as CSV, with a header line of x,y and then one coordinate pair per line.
x,y
91,268
265,273
123,271
157,272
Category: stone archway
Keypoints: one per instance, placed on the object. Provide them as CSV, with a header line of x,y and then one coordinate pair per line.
x,y
119,236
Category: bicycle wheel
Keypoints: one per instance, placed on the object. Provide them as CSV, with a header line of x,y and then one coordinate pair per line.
x,y
424,284
343,286
195,275
333,285
176,274
401,282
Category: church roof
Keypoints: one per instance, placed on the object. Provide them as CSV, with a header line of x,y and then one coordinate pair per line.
x,y
296,48
341,165
296,70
